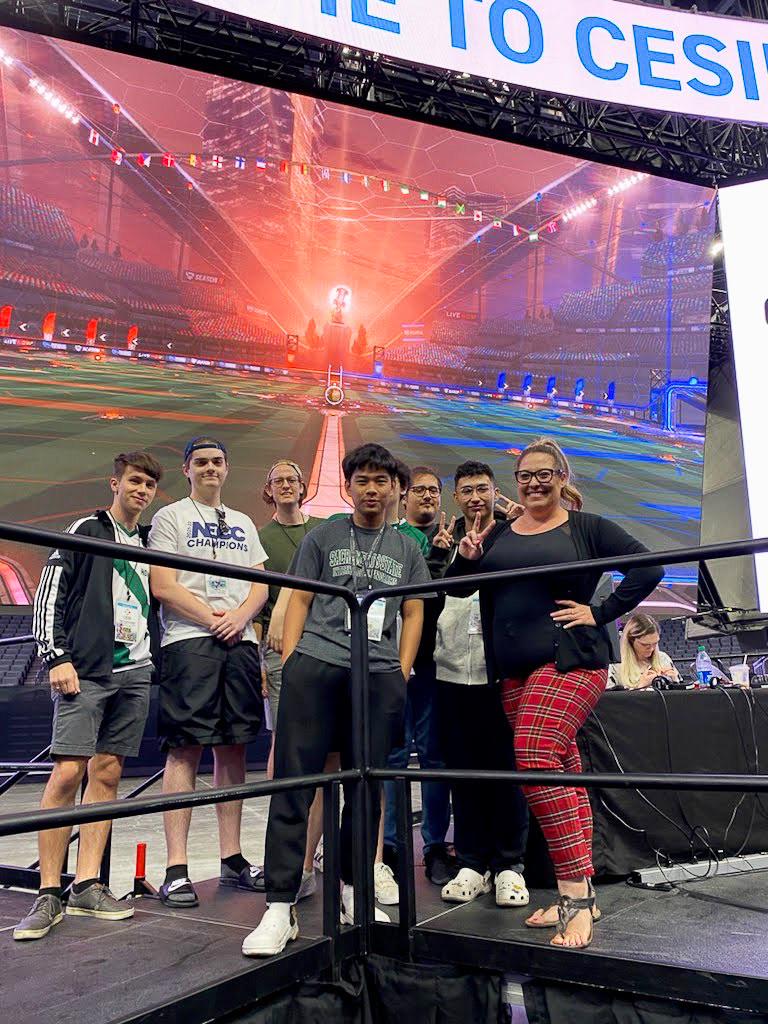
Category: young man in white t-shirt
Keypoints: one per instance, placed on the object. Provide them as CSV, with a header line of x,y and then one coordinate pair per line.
x,y
210,681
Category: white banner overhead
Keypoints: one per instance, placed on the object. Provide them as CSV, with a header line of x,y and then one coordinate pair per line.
x,y
610,50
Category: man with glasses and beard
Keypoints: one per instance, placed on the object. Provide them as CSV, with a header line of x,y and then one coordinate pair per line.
x,y
210,693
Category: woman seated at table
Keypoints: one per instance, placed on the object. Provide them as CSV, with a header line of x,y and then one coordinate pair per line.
x,y
641,659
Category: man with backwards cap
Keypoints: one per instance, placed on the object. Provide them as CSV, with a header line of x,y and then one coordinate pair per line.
x,y
209,679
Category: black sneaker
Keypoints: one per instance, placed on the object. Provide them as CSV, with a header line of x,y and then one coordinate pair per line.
x,y
251,879
180,894
45,913
439,866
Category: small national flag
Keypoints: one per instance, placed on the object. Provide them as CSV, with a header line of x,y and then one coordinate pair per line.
x,y
405,190
386,186
193,161
305,169
365,180
442,203
144,159
424,197
217,162
478,216
516,231
346,177
325,173
284,166
461,209
117,157
240,164
498,224
169,160
553,227
93,138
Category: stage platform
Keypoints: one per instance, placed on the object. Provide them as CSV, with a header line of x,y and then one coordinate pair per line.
x,y
699,945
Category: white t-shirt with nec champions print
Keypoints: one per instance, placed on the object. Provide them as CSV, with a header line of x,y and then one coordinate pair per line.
x,y
189,528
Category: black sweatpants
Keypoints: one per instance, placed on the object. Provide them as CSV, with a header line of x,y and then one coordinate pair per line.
x,y
490,819
315,718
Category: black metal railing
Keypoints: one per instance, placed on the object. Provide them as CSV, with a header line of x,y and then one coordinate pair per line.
x,y
362,777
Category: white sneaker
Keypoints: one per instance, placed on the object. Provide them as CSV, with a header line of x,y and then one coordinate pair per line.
x,y
276,929
317,860
466,886
385,886
308,885
511,890
348,907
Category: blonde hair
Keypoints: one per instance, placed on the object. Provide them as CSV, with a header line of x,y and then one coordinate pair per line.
x,y
267,493
630,669
546,446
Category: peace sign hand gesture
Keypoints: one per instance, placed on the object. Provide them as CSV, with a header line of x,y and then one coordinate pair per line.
x,y
444,536
471,545
511,509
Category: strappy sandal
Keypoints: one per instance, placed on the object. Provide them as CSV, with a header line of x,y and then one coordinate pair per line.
x,y
596,912
567,909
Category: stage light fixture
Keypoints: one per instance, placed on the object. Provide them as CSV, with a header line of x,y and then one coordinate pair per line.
x,y
716,248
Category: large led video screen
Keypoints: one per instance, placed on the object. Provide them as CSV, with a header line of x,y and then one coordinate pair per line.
x,y
744,221
184,254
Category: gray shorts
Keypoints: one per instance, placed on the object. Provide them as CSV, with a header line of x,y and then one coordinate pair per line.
x,y
104,718
273,663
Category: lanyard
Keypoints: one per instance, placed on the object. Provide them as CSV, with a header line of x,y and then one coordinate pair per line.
x,y
205,522
129,565
287,535
367,560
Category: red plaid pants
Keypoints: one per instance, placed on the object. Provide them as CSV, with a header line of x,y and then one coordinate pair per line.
x,y
546,710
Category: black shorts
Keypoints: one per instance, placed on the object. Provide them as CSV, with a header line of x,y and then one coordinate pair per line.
x,y
210,694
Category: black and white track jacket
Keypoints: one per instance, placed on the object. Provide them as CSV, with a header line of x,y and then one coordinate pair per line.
x,y
73,613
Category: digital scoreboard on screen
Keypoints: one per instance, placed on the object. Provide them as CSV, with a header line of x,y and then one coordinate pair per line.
x,y
744,224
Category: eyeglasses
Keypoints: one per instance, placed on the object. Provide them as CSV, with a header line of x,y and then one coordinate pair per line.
x,y
222,522
482,489
280,480
544,476
421,489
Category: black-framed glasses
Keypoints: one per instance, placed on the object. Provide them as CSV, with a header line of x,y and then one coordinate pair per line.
x,y
222,522
544,476
421,489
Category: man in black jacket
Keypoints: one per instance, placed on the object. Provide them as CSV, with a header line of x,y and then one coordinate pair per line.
x,y
92,625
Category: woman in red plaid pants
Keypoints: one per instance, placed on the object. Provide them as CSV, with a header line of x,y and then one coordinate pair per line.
x,y
549,647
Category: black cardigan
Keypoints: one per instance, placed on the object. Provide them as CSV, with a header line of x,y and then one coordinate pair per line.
x,y
584,647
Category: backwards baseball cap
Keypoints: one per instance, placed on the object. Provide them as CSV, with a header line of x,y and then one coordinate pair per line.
x,y
202,442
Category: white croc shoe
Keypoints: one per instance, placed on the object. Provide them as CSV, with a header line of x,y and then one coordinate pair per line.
x,y
511,890
275,930
466,886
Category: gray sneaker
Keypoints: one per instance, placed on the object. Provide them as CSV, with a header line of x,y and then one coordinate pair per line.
x,y
98,901
45,913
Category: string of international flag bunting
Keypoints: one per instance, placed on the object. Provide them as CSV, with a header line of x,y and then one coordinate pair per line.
x,y
218,162
239,163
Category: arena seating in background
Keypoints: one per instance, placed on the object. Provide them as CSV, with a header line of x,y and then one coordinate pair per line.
x,y
125,270
210,297
680,650
16,659
23,218
689,250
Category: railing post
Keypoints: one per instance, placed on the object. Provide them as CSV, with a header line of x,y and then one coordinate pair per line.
x,y
361,748
405,869
331,902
